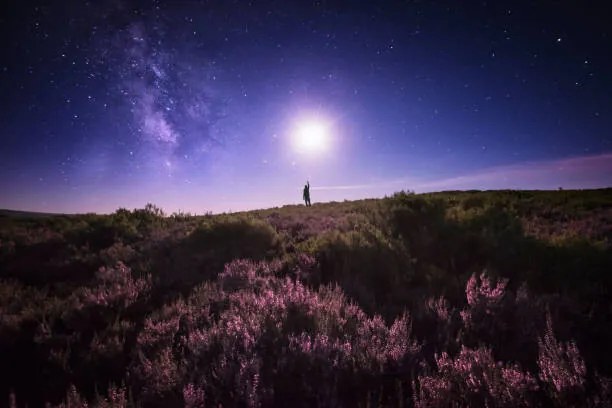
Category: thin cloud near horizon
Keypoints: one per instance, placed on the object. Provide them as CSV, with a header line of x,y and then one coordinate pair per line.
x,y
580,172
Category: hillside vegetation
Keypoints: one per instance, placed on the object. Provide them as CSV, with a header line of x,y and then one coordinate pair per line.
x,y
497,299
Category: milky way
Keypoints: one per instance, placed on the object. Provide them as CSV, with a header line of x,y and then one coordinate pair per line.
x,y
163,82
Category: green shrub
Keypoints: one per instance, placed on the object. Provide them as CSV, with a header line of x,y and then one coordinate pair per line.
x,y
371,267
235,237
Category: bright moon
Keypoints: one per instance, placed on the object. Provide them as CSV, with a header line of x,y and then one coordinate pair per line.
x,y
311,136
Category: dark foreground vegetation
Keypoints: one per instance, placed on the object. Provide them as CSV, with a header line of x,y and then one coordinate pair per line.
x,y
498,299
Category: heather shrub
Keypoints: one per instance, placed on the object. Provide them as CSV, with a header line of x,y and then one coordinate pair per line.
x,y
116,397
73,399
115,288
474,378
106,312
118,252
271,340
21,309
436,324
602,397
299,227
562,369
193,396
162,343
85,341
486,301
509,322
159,377
303,267
245,274
18,303
107,347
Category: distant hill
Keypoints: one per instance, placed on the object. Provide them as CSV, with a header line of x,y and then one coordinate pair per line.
x,y
26,214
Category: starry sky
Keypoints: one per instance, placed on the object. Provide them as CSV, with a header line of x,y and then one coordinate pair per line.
x,y
191,105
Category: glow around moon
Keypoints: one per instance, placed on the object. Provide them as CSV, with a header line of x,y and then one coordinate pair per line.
x,y
311,136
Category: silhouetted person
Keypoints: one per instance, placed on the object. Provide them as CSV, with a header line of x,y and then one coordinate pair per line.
x,y
307,194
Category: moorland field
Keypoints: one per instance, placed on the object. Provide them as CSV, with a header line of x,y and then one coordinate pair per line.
x,y
497,298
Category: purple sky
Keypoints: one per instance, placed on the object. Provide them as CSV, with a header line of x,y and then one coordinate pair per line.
x,y
193,105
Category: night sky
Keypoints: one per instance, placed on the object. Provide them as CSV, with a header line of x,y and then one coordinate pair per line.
x,y
195,106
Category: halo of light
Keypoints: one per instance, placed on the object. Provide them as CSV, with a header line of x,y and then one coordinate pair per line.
x,y
311,135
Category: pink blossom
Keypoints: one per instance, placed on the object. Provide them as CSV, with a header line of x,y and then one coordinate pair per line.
x,y
561,365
